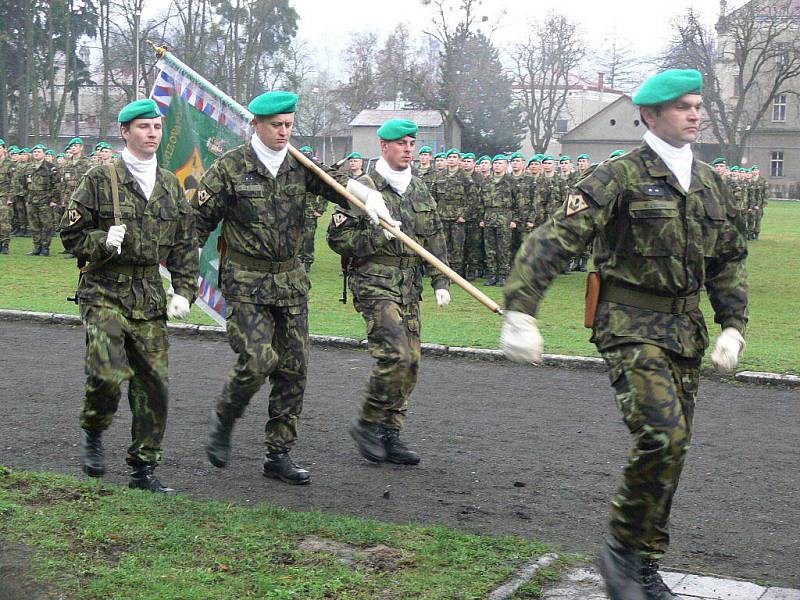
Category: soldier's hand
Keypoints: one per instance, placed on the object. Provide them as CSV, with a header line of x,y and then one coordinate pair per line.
x,y
520,339
512,225
116,233
442,298
178,307
396,224
729,347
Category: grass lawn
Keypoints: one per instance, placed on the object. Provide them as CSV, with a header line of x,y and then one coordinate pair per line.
x,y
88,540
42,284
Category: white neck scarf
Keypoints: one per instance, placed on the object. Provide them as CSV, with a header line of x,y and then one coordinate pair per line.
x,y
678,160
399,180
143,171
272,159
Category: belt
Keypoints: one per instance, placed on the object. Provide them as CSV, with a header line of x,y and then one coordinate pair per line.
x,y
676,305
260,264
402,262
138,271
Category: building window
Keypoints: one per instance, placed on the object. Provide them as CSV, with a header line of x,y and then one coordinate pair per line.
x,y
779,109
776,163
562,126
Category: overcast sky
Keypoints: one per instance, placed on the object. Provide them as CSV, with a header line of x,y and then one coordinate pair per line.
x,y
645,25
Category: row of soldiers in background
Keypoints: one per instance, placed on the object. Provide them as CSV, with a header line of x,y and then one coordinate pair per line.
x,y
750,191
35,185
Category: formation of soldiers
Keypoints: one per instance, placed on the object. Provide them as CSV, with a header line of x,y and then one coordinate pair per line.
x,y
489,204
749,189
35,186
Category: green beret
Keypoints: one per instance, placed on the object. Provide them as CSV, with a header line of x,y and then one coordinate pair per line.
x,y
394,129
453,151
273,103
73,141
517,154
91,154
533,159
425,149
13,150
102,146
548,157
51,152
25,151
308,149
145,108
13,147
39,147
439,155
61,154
499,157
565,158
353,155
584,155
719,161
2,142
755,167
616,153
669,85
733,169
468,155
484,158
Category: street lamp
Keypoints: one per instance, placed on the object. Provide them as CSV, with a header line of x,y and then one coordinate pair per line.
x,y
137,15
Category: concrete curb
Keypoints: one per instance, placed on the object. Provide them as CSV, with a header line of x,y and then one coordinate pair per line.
x,y
522,576
482,354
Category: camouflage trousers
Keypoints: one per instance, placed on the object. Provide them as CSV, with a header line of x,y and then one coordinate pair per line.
x,y
19,218
497,244
393,332
757,222
473,247
40,223
5,221
270,341
454,236
655,390
309,233
119,349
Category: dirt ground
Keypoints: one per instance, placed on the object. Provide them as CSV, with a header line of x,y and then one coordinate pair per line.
x,y
535,452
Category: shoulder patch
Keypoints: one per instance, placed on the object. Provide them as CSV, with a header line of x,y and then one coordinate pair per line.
x,y
338,218
575,203
74,216
202,197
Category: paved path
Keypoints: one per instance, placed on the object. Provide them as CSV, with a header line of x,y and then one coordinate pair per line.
x,y
506,449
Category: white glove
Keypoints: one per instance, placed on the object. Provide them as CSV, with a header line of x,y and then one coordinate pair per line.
x,y
114,238
388,234
729,347
520,339
442,298
374,205
178,307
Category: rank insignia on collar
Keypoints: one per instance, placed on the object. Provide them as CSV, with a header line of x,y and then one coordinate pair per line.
x,y
575,203
74,216
202,197
339,218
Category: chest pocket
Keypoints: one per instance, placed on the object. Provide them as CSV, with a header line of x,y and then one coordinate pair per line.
x,y
127,214
426,222
252,205
655,226
168,225
714,220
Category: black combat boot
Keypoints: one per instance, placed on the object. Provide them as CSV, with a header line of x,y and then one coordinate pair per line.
x,y
582,262
621,568
45,251
37,250
4,248
654,586
492,280
218,446
369,440
501,281
396,451
143,478
281,466
92,457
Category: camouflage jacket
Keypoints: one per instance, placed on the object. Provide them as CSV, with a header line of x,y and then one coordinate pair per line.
x,y
72,172
19,181
475,198
262,217
649,236
354,237
548,192
42,183
526,198
160,229
426,176
451,192
499,199
7,173
758,198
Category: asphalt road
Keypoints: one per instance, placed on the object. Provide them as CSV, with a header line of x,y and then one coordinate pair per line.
x,y
535,452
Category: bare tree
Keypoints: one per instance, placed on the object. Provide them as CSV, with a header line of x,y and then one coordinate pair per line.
x,y
752,57
542,67
361,90
619,63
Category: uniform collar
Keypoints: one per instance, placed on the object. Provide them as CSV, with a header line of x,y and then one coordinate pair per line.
x,y
656,167
253,165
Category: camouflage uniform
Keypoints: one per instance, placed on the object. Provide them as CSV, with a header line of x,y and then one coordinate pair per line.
x,y
7,171
525,192
263,280
452,192
314,205
499,206
656,247
71,174
19,218
123,303
427,175
759,202
41,185
473,234
386,282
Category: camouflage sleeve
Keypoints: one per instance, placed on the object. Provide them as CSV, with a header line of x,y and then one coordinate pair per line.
x,y
352,235
436,244
79,225
183,259
517,204
210,201
546,251
315,185
726,271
